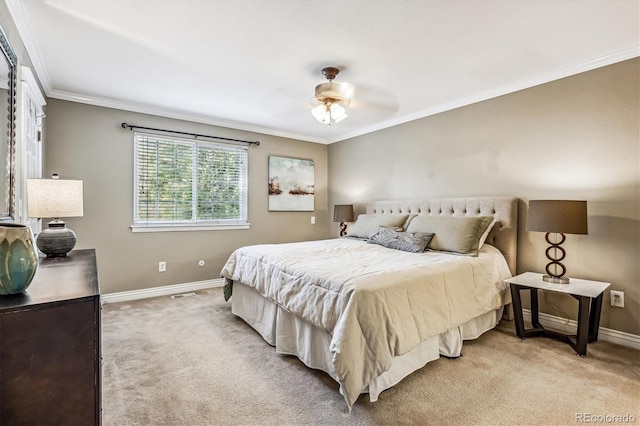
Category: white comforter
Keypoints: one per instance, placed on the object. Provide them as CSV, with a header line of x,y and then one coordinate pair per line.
x,y
377,303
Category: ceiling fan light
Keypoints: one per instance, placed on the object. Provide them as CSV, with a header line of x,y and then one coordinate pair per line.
x,y
329,113
338,113
322,113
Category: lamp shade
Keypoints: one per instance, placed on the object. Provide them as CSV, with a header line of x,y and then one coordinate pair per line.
x,y
558,216
54,198
343,213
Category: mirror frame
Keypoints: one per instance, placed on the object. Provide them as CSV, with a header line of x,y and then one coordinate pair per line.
x,y
12,62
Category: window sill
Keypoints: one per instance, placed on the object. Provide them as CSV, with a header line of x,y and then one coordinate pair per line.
x,y
181,228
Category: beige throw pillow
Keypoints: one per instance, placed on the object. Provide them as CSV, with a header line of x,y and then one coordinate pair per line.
x,y
367,224
453,234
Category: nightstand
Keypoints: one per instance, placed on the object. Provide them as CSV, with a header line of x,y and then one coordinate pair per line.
x,y
589,296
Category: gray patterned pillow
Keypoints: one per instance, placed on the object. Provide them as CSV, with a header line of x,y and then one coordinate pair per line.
x,y
414,242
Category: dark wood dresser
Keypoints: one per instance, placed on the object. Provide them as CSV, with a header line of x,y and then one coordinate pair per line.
x,y
50,356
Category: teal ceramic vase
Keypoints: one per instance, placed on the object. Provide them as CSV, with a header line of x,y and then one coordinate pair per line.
x,y
18,258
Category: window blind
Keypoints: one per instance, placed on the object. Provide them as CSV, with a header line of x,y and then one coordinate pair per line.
x,y
180,181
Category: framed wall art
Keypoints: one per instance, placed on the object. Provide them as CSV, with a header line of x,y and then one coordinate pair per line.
x,y
291,184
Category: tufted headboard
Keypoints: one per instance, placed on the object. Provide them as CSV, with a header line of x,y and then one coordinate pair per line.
x,y
503,236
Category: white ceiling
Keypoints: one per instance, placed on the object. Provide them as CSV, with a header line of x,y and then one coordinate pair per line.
x,y
253,65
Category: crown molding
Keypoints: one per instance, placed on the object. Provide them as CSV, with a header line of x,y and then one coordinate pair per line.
x,y
23,24
163,112
620,56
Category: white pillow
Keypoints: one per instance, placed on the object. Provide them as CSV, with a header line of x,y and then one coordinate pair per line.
x,y
367,224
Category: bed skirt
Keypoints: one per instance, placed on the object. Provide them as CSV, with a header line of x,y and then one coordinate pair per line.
x,y
291,335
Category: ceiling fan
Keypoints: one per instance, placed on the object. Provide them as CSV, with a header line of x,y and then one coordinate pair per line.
x,y
333,98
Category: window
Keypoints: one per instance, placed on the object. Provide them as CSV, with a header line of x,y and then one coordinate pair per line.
x,y
182,183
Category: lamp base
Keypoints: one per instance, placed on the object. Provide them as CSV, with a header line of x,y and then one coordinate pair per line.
x,y
555,253
57,240
555,280
343,229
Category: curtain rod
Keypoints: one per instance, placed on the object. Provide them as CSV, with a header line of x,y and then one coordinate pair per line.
x,y
196,135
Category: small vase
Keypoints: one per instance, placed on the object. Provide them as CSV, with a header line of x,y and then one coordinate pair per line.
x,y
18,258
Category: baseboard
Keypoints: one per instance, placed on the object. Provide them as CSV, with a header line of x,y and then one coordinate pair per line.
x,y
167,290
571,326
551,321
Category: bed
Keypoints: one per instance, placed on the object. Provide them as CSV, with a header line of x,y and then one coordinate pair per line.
x,y
370,315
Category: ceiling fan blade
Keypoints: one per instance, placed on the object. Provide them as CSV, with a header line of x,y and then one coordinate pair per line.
x,y
371,97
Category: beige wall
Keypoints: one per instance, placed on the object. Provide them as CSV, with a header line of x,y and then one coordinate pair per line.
x,y
575,138
86,142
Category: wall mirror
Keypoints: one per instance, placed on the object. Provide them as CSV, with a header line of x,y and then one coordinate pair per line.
x,y
8,68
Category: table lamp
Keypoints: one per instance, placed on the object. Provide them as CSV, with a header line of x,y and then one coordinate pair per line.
x,y
559,217
343,213
55,198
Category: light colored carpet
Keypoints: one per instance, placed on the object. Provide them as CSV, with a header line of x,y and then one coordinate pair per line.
x,y
190,361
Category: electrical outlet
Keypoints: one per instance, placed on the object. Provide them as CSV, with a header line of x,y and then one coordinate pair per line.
x,y
162,266
313,220
617,298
